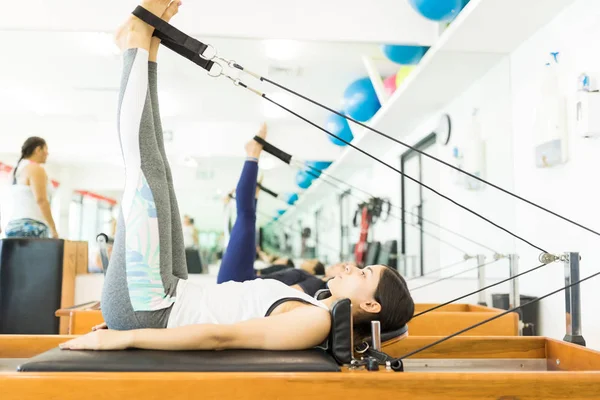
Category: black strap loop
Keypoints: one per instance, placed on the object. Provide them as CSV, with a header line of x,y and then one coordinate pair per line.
x,y
184,52
167,30
274,151
174,39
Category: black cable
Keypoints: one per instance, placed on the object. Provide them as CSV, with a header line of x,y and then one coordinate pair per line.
x,y
406,211
454,275
184,39
187,45
426,154
438,270
402,173
296,231
480,290
431,235
395,216
496,317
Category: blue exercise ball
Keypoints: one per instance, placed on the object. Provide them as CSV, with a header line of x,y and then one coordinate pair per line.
x,y
360,100
404,55
291,198
438,10
313,172
304,180
320,165
339,127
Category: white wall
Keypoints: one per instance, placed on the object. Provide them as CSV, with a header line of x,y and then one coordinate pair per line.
x,y
570,189
506,99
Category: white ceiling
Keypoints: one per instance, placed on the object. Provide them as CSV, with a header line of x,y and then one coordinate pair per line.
x,y
60,81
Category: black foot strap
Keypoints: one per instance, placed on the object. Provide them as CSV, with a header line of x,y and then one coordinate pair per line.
x,y
274,151
174,39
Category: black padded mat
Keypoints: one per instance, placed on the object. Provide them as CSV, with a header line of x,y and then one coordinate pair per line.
x,y
56,360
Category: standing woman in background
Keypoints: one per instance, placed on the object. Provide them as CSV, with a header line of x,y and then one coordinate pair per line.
x,y
190,233
31,215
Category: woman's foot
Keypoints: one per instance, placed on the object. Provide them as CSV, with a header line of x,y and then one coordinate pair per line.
x,y
170,12
253,148
135,33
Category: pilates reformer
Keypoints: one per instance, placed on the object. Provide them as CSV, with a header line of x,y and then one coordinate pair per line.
x,y
505,367
419,367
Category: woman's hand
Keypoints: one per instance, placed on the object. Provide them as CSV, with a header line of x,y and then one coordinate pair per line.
x,y
54,234
101,339
101,326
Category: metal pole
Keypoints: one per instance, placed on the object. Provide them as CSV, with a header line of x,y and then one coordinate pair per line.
x,y
376,335
573,300
514,296
481,278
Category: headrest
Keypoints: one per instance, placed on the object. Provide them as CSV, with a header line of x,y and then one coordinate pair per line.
x,y
322,294
385,336
340,341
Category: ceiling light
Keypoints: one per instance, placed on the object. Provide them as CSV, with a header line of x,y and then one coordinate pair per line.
x,y
282,50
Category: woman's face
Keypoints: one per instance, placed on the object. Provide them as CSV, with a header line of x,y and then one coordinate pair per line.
x,y
41,154
335,269
358,285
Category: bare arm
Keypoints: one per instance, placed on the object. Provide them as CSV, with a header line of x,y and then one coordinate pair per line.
x,y
196,240
301,328
38,181
297,287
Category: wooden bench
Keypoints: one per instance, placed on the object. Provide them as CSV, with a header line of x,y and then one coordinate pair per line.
x,y
455,317
466,368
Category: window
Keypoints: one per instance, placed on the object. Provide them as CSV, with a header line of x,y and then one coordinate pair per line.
x,y
345,220
419,253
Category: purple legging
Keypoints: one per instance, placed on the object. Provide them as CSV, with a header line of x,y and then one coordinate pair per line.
x,y
238,260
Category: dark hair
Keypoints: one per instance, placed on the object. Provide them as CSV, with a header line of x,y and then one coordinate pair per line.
x,y
319,268
397,305
191,220
27,150
290,263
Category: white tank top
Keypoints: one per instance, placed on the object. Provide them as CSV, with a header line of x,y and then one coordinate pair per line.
x,y
188,236
23,200
231,302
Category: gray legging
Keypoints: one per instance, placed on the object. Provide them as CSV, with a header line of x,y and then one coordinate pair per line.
x,y
148,255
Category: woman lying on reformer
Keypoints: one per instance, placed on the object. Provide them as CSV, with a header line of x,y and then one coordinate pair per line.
x,y
147,301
